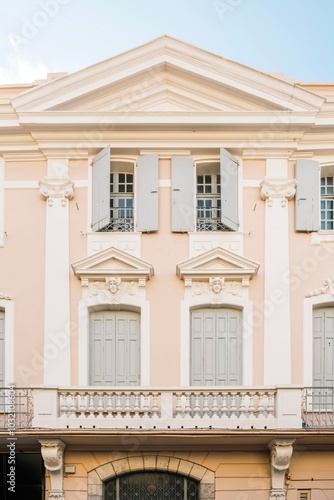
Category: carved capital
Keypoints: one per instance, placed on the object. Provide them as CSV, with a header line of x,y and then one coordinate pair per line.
x,y
56,187
278,188
52,453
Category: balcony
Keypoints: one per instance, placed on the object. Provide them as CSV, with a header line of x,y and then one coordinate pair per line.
x,y
288,407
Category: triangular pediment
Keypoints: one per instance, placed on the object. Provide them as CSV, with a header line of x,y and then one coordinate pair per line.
x,y
217,262
166,76
112,262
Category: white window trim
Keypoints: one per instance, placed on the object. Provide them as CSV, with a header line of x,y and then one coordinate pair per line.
x,y
310,303
2,202
8,307
88,305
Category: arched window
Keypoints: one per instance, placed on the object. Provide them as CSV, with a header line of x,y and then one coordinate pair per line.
x,y
153,485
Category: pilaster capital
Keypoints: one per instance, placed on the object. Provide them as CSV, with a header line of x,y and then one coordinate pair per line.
x,y
52,453
56,187
284,189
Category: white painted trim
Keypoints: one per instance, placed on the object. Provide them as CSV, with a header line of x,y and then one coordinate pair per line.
x,y
88,304
251,183
246,307
21,185
8,307
277,168
323,300
2,202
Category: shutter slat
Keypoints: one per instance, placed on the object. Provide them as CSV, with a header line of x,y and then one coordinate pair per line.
x,y
183,195
147,193
101,190
307,195
229,190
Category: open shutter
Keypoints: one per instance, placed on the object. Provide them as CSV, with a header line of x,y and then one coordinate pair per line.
x,y
183,195
2,348
229,190
329,348
101,190
147,193
307,195
96,350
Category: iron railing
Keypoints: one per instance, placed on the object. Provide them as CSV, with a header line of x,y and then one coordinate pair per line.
x,y
318,407
16,409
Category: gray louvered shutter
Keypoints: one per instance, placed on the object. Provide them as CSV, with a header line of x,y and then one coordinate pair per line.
x,y
101,190
329,348
183,195
2,348
146,193
97,350
229,190
307,195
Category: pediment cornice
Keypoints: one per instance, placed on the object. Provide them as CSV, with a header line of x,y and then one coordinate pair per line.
x,y
112,263
219,263
154,61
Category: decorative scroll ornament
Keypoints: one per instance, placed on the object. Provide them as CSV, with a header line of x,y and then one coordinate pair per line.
x,y
217,288
277,188
110,291
280,457
52,452
4,296
328,288
56,187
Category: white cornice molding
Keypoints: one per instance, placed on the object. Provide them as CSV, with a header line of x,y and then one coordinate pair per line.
x,y
168,52
56,187
277,188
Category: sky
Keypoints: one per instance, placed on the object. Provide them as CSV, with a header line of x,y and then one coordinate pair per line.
x,y
294,37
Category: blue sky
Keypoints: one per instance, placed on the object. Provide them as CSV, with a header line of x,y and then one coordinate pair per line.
x,y
294,37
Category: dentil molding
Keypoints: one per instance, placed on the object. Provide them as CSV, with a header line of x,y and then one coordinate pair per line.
x,y
56,187
278,188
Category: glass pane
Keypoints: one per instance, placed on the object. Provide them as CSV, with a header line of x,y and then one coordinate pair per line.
x,y
121,178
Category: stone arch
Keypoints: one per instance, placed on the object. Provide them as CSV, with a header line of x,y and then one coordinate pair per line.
x,y
142,462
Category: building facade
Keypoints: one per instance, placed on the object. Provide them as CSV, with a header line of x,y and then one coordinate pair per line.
x,y
166,279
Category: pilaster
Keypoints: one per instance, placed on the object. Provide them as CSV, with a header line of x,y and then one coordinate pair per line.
x,y
277,190
57,190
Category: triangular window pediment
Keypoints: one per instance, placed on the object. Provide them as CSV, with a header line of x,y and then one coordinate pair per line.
x,y
217,262
110,263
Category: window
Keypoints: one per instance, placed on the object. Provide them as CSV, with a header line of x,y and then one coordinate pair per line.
x,y
124,193
216,349
208,200
326,203
115,348
154,485
205,194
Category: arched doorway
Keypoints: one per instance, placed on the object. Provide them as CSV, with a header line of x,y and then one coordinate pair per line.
x,y
151,485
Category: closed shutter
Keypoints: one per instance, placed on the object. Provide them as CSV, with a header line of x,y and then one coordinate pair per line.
x,y
115,349
101,190
183,195
216,348
229,190
2,348
146,193
323,348
307,195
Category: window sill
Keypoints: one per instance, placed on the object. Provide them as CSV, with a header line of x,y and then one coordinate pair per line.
x,y
322,237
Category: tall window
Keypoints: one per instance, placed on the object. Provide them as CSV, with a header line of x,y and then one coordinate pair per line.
x,y
326,203
208,198
121,202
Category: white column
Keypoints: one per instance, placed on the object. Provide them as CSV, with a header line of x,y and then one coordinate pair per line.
x,y
57,189
276,308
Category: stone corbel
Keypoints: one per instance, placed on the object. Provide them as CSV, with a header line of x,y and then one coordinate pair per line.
x,y
280,457
277,188
52,453
56,187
